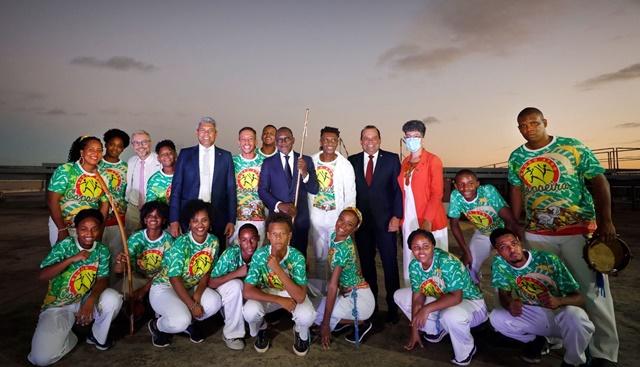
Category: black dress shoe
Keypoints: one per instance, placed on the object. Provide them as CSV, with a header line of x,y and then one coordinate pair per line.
x,y
392,318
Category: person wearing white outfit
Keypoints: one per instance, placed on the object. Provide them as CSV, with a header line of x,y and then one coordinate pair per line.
x,y
546,304
337,190
78,274
442,299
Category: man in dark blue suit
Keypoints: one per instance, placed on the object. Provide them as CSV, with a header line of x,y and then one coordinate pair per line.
x,y
205,172
380,200
277,186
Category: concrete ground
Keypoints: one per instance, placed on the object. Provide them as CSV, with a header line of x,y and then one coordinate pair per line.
x,y
24,241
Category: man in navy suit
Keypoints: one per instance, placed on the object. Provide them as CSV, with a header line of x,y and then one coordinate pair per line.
x,y
380,200
277,186
205,172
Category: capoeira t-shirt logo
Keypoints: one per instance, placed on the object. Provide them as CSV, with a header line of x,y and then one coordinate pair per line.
x,y
293,264
189,260
250,207
482,211
325,199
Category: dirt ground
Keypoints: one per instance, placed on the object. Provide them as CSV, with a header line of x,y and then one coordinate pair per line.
x,y
24,241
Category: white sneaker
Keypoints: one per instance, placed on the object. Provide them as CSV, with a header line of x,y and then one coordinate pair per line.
x,y
234,344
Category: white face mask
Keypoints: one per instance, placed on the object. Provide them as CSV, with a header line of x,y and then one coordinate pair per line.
x,y
413,144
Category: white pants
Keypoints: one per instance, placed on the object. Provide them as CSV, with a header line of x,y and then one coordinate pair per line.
x,y
131,219
323,224
569,323
442,242
480,248
605,342
343,307
176,316
53,337
231,294
303,314
261,231
113,240
457,320
53,232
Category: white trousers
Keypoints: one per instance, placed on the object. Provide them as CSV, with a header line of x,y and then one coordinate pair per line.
x,y
131,219
343,307
569,323
231,294
605,342
303,314
261,231
480,248
442,242
53,232
323,224
175,315
457,320
53,337
113,240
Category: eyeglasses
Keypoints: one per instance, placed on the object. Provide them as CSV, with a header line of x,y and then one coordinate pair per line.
x,y
137,143
286,139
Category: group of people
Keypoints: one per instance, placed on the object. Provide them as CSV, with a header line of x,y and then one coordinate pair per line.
x,y
181,211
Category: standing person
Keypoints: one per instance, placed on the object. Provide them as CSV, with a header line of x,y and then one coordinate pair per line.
x,y
247,167
77,269
205,172
159,185
547,176
442,299
336,191
268,147
380,200
422,183
277,279
486,209
73,187
348,294
277,187
115,141
141,167
547,300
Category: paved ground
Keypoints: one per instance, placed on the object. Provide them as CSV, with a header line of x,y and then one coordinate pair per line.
x,y
24,240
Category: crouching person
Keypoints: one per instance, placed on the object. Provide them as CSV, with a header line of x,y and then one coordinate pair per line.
x,y
78,274
277,279
546,301
442,299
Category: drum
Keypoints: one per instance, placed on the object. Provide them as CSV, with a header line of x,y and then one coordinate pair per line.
x,y
607,258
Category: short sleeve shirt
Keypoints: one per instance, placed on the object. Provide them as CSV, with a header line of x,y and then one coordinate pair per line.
x,y
189,260
77,279
343,254
325,199
159,187
446,274
117,174
556,199
247,174
148,254
482,211
293,264
230,260
258,152
79,190
543,271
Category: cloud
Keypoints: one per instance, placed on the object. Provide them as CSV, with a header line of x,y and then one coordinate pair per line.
x,y
628,125
430,120
630,72
61,112
119,63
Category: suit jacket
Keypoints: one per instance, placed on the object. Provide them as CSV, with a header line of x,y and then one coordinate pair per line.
x,y
273,186
383,199
185,186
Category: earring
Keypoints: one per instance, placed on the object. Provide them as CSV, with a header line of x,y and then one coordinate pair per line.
x,y
81,161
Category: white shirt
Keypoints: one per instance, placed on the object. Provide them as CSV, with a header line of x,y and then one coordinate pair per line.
x,y
366,161
151,166
206,181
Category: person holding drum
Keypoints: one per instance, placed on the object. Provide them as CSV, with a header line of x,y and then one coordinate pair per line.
x,y
547,179
547,301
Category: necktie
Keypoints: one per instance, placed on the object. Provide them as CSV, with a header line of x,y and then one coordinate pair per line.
x,y
369,175
206,172
287,170
141,187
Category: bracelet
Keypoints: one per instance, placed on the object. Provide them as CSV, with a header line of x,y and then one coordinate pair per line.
x,y
62,229
195,304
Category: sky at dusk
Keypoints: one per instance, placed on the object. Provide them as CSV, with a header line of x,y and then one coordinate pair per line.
x,y
466,68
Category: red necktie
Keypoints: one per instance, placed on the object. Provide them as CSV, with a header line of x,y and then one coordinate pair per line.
x,y
369,175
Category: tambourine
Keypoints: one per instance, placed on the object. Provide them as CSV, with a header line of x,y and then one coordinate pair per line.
x,y
607,258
